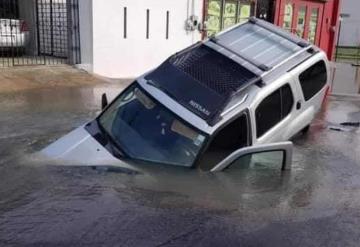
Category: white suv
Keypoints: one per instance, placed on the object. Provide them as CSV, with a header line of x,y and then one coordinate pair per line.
x,y
243,93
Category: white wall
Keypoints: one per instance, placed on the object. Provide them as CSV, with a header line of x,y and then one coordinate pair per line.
x,y
350,27
116,57
86,34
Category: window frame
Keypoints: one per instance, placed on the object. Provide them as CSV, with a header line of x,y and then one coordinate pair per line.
x,y
211,137
282,105
283,117
238,18
290,28
305,70
245,112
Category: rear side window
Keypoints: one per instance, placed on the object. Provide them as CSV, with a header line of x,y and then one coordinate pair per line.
x,y
273,109
287,100
313,79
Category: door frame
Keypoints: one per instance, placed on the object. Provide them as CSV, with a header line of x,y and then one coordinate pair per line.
x,y
310,5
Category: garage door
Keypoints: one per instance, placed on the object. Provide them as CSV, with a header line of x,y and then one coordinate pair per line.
x,y
39,32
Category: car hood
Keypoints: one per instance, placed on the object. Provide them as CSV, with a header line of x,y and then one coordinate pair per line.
x,y
79,148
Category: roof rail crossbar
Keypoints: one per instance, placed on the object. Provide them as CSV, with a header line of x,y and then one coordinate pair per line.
x,y
234,106
300,43
288,59
188,48
256,81
262,67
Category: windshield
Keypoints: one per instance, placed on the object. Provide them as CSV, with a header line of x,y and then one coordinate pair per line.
x,y
146,130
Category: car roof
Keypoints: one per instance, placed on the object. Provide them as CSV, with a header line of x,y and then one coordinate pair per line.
x,y
213,77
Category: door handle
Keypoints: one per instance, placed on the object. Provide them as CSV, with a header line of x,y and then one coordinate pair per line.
x,y
298,105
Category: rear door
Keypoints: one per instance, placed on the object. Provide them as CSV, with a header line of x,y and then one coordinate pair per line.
x,y
311,79
273,114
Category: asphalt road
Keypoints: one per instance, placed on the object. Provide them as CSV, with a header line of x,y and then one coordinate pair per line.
x,y
317,203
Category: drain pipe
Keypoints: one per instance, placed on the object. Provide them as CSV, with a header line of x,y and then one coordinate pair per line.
x,y
192,21
193,14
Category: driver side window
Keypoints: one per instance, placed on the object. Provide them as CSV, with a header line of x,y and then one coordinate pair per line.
x,y
232,137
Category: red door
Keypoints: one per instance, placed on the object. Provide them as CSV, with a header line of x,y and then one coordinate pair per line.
x,y
303,18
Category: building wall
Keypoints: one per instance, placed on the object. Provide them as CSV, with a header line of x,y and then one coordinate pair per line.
x,y
350,27
106,52
329,27
86,34
117,57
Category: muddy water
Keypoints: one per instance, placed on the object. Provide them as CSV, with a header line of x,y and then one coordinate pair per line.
x,y
43,204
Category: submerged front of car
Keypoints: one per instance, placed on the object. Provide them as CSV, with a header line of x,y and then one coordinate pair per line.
x,y
134,126
166,116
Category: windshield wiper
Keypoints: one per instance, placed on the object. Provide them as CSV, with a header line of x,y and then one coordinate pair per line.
x,y
116,150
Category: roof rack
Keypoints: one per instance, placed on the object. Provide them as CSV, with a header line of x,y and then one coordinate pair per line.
x,y
257,39
288,59
279,32
208,76
206,80
252,61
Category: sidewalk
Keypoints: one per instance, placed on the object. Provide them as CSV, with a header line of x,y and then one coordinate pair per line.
x,y
345,79
32,77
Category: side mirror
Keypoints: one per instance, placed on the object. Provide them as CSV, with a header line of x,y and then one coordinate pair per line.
x,y
104,101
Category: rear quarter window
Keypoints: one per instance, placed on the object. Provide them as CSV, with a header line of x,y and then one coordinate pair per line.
x,y
273,109
268,113
287,100
313,79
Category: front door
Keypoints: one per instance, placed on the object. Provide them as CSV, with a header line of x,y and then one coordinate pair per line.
x,y
303,18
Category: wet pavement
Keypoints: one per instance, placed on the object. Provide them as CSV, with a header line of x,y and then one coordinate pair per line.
x,y
20,78
317,203
345,78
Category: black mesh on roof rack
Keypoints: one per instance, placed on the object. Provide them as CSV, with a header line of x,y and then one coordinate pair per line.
x,y
202,80
213,70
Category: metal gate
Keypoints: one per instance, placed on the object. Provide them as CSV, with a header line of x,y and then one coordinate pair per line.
x,y
39,32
